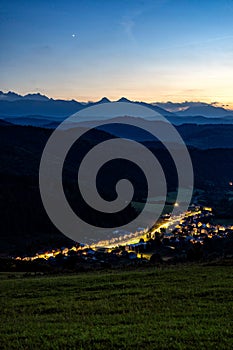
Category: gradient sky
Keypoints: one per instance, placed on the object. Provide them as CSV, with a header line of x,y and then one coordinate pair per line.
x,y
156,50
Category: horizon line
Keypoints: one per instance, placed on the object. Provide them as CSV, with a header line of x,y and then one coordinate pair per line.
x,y
213,104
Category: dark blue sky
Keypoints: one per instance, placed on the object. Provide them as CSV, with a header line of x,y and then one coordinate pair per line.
x,y
151,50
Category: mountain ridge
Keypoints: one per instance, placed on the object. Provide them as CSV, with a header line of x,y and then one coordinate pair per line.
x,y
16,105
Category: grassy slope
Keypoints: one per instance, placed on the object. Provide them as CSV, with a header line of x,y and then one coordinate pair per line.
x,y
185,307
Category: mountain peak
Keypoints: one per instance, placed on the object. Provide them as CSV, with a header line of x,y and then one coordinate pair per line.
x,y
9,96
36,97
123,99
104,100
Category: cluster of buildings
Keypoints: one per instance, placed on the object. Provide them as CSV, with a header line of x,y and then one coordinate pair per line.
x,y
188,237
194,237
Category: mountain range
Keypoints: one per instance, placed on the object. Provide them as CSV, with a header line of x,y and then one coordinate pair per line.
x,y
25,226
37,109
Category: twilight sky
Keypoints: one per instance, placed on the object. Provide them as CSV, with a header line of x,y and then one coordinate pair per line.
x,y
153,50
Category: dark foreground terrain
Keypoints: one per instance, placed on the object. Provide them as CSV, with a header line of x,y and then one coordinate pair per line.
x,y
25,226
188,307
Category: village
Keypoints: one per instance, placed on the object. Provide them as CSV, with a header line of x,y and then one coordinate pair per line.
x,y
191,236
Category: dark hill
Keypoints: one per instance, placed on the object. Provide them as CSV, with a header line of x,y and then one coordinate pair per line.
x,y
25,226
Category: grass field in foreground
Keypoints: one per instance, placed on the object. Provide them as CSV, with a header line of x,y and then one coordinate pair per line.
x,y
186,307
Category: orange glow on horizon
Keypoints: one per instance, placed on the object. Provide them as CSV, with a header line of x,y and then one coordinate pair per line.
x,y
148,98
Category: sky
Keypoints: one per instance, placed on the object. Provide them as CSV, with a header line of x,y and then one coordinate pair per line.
x,y
151,50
